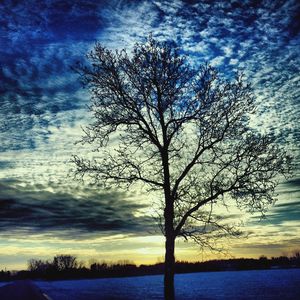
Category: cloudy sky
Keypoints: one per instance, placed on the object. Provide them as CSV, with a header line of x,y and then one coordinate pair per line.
x,y
43,212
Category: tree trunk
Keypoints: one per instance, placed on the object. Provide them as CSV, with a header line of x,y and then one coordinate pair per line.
x,y
169,228
169,268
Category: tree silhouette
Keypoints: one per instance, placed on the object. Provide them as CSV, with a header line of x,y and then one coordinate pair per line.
x,y
181,131
64,262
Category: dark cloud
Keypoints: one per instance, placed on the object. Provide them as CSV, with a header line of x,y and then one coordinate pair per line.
x,y
288,207
293,183
280,213
4,164
290,188
61,213
262,246
274,248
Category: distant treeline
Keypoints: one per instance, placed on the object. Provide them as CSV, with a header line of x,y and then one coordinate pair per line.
x,y
68,267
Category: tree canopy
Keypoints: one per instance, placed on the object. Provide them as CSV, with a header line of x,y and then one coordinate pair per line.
x,y
182,131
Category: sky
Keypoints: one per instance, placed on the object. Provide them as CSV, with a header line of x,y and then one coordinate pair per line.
x,y
43,211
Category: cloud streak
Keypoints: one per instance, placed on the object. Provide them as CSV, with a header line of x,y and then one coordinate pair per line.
x,y
85,211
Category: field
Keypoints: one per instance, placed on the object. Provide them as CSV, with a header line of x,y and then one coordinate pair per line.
x,y
262,284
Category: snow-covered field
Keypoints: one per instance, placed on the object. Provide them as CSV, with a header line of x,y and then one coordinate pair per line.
x,y
265,284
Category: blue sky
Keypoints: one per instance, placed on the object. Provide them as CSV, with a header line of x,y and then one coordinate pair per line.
x,y
43,106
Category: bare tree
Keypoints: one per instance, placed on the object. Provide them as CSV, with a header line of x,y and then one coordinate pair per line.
x,y
64,262
38,265
181,131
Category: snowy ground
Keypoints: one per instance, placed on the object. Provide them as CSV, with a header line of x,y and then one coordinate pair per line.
x,y
265,284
